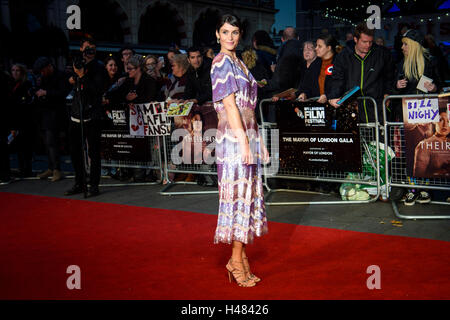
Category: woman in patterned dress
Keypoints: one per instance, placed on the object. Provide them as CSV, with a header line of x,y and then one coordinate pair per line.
x,y
240,151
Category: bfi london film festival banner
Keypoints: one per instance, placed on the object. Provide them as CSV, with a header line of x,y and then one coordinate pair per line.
x,y
427,141
319,136
117,143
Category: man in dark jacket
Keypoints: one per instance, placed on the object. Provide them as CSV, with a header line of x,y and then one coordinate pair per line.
x,y
287,72
199,90
52,89
86,111
368,66
198,86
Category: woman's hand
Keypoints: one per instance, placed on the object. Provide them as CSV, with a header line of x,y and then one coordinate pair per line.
x,y
402,83
430,86
334,103
246,154
302,97
105,101
265,154
131,96
322,99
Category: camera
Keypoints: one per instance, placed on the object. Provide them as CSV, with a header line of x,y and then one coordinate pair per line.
x,y
89,51
78,61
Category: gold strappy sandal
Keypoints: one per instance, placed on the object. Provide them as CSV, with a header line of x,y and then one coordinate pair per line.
x,y
239,275
251,276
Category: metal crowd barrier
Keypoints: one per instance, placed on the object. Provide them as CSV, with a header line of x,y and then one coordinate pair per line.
x,y
155,163
396,172
193,168
368,132
196,169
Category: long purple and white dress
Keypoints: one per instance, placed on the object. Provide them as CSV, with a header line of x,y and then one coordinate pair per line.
x,y
242,214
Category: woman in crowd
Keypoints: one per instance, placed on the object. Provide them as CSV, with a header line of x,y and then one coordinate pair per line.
x,y
263,45
256,68
309,56
173,91
316,80
208,52
153,68
317,75
175,84
242,213
309,53
139,87
415,63
22,116
112,68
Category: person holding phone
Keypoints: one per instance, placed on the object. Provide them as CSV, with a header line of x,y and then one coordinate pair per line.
x,y
139,87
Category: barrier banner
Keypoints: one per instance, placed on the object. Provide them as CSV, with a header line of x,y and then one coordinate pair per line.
x,y
319,136
117,144
196,134
149,119
427,142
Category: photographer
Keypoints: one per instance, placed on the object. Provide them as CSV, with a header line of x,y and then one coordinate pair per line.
x,y
88,50
86,111
49,97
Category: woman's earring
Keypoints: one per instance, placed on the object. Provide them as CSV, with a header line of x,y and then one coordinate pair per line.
x,y
218,41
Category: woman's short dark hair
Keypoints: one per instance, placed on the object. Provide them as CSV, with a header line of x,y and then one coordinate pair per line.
x,y
329,41
137,61
110,58
230,19
262,38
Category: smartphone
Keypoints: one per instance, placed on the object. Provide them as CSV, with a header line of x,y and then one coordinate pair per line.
x,y
161,59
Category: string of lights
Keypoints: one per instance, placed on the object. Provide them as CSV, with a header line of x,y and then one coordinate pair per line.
x,y
390,8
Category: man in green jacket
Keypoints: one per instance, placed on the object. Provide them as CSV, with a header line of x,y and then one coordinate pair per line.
x,y
366,65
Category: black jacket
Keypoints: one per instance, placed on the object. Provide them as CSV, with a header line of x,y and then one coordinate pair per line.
x,y
198,85
374,74
89,91
6,83
145,90
266,56
21,109
52,106
310,80
287,72
431,71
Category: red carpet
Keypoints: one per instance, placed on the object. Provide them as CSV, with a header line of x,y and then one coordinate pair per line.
x,y
127,252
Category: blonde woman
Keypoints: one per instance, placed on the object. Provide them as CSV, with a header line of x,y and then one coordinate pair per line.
x,y
415,63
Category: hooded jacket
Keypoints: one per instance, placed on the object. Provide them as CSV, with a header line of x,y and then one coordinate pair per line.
x,y
374,74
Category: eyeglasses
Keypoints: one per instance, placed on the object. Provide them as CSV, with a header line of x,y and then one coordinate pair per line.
x,y
132,68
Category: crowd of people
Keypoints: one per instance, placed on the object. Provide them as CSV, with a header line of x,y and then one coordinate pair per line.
x,y
321,68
